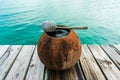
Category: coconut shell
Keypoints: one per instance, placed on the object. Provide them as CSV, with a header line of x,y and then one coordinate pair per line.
x,y
59,53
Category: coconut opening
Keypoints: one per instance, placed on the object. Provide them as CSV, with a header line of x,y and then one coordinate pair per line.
x,y
59,33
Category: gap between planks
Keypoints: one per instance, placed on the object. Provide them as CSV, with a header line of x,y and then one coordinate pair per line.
x,y
105,63
3,49
89,65
36,68
7,60
100,64
112,54
21,63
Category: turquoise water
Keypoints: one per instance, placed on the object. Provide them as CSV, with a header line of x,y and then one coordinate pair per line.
x,y
20,20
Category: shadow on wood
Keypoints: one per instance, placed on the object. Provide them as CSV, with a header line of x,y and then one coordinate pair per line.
x,y
73,73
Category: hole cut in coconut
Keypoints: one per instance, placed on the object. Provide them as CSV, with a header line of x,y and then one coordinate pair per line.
x,y
59,33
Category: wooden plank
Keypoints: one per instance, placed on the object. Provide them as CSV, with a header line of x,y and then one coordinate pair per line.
x,y
79,71
113,47
69,74
112,54
20,66
3,48
74,73
7,60
89,65
117,46
36,68
108,67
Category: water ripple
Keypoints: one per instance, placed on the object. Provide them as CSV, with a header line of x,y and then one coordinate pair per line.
x,y
20,20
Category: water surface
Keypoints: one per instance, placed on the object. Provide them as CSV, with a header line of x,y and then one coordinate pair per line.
x,y
20,20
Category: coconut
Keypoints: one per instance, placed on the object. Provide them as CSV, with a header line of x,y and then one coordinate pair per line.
x,y
59,53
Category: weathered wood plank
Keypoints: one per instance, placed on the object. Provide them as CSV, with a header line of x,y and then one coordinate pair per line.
x,y
20,66
15,67
117,46
3,48
113,47
73,73
7,60
36,68
69,74
89,65
108,67
112,54
79,71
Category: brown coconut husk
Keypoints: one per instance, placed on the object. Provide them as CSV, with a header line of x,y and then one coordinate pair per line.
x,y
59,53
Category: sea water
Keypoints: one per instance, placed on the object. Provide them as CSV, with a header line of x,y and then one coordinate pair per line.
x,y
20,20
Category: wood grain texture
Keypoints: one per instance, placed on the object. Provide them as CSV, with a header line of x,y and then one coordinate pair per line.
x,y
89,65
20,66
108,67
7,60
112,54
73,73
97,62
79,71
36,68
69,74
3,48
117,46
115,49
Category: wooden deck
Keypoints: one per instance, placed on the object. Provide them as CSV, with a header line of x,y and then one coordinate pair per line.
x,y
97,62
